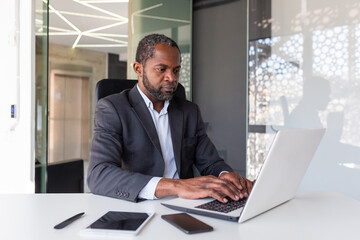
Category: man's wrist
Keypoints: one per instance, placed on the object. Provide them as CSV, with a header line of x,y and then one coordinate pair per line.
x,y
167,187
148,192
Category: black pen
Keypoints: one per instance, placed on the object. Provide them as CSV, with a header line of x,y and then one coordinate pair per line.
x,y
68,221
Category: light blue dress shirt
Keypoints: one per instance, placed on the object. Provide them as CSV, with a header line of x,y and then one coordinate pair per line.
x,y
161,122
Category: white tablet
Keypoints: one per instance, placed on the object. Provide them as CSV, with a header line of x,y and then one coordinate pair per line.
x,y
117,223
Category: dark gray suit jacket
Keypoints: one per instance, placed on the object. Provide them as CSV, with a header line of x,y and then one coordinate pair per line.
x,y
126,152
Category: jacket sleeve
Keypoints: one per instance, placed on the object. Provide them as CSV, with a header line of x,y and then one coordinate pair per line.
x,y
105,174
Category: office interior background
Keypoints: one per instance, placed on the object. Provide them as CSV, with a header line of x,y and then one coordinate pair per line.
x,y
253,66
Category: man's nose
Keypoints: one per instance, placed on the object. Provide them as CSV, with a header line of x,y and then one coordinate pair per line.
x,y
170,76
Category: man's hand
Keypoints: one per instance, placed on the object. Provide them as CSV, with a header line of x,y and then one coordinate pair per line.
x,y
242,184
228,184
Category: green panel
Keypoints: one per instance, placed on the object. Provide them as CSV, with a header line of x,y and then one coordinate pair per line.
x,y
172,18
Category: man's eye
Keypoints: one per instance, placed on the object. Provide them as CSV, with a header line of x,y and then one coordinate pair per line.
x,y
161,69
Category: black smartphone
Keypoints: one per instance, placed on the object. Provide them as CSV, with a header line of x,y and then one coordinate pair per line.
x,y
187,223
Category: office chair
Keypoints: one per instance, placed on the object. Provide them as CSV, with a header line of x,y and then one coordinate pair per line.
x,y
62,177
107,87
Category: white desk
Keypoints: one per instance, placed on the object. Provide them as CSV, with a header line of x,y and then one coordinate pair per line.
x,y
309,216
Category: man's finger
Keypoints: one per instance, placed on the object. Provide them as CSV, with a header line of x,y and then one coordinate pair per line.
x,y
216,195
234,178
226,188
249,186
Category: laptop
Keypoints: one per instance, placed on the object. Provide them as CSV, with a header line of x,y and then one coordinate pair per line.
x,y
280,176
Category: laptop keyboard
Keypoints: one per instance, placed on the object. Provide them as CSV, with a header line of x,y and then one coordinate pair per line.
x,y
217,206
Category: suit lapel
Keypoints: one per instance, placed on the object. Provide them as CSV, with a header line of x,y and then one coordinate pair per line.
x,y
144,116
176,126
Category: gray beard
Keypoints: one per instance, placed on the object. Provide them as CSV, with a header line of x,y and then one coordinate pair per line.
x,y
156,93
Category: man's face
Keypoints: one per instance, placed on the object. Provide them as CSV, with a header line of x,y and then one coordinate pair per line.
x,y
160,74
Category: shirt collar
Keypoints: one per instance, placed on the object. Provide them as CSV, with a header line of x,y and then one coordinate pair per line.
x,y
148,102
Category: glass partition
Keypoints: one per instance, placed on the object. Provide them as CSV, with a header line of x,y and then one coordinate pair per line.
x,y
79,43
304,73
41,93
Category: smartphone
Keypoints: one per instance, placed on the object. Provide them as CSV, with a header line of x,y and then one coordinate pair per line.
x,y
187,223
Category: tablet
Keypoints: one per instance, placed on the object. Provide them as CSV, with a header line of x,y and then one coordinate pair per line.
x,y
118,223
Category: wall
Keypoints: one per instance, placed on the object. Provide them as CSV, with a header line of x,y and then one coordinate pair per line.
x,y
17,69
79,62
220,77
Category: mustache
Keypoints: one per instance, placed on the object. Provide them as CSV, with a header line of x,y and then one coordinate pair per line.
x,y
170,85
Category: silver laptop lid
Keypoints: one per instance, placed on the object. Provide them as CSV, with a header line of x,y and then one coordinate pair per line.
x,y
285,165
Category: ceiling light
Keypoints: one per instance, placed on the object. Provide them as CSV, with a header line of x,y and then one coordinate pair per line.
x,y
64,19
81,15
100,45
101,10
104,1
112,38
111,35
105,27
77,40
164,18
140,11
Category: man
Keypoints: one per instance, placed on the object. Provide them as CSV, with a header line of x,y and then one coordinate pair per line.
x,y
146,140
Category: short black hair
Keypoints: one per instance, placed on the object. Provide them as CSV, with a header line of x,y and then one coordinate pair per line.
x,y
145,49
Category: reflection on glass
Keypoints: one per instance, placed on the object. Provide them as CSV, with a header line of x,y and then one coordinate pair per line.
x,y
306,75
85,42
79,43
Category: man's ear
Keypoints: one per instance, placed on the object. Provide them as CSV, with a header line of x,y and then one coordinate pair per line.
x,y
138,68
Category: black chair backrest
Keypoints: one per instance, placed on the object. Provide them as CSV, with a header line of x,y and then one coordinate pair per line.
x,y
62,177
107,87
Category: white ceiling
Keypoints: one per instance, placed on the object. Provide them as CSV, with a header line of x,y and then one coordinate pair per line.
x,y
99,25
